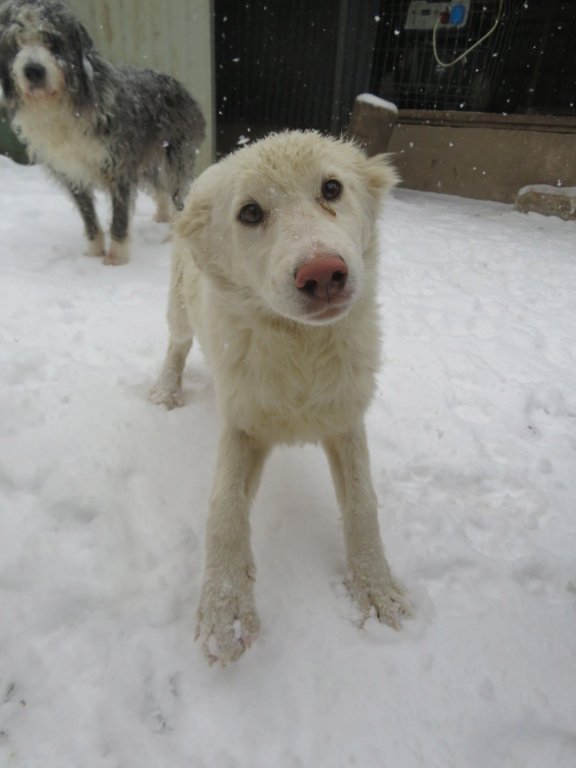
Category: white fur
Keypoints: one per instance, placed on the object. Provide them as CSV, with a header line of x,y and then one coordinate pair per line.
x,y
36,54
55,132
96,247
118,253
59,138
283,370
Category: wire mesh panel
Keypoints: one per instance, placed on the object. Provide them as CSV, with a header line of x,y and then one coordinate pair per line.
x,y
285,64
301,65
275,62
540,57
406,70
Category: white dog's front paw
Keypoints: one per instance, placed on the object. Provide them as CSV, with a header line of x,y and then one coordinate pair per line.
x,y
380,593
167,392
227,622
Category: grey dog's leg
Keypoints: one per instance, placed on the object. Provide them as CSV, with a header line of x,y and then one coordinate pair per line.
x,y
180,159
163,206
180,185
370,580
84,200
121,209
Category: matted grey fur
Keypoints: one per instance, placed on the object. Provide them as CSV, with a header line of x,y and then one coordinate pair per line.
x,y
93,124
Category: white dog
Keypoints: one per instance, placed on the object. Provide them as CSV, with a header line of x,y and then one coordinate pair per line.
x,y
275,270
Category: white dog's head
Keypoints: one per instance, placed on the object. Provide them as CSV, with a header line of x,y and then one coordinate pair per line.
x,y
288,224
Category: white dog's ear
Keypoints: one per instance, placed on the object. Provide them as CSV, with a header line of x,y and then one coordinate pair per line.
x,y
199,204
193,217
205,212
380,175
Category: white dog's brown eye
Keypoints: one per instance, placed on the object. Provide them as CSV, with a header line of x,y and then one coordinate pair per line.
x,y
331,189
251,214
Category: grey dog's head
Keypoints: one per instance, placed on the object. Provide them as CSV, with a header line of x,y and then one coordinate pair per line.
x,y
44,52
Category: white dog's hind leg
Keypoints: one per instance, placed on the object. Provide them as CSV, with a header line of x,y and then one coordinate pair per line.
x,y
370,580
227,621
167,390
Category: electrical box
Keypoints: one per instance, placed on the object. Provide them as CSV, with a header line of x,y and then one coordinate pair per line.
x,y
425,14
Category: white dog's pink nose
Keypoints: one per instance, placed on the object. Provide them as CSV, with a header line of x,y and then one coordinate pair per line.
x,y
323,277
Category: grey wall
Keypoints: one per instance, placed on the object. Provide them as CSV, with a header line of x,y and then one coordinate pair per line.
x,y
173,37
482,156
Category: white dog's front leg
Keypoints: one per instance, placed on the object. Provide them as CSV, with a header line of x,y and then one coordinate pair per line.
x,y
227,621
370,580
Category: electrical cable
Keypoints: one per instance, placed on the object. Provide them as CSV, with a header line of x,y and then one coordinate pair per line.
x,y
467,51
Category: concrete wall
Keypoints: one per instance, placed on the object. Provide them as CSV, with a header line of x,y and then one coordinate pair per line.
x,y
483,156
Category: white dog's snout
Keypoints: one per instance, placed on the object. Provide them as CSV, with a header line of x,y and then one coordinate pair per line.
x,y
324,276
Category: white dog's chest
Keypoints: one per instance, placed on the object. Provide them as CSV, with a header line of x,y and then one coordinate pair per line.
x,y
297,392
60,140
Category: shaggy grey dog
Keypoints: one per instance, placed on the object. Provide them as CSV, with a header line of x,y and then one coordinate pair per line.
x,y
95,125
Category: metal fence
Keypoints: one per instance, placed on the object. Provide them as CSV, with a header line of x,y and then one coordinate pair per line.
x,y
406,70
288,64
526,65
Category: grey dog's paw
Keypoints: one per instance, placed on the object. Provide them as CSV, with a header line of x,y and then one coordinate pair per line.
x,y
96,246
118,254
227,622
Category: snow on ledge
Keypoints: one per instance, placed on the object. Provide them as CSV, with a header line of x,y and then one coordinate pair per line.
x,y
376,101
547,189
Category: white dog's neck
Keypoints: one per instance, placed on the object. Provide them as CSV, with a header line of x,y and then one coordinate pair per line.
x,y
272,369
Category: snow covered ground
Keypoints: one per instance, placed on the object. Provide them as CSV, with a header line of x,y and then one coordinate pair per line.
x,y
103,501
